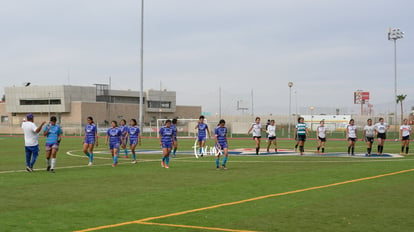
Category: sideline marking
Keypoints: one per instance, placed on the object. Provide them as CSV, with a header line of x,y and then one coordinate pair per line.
x,y
193,227
145,220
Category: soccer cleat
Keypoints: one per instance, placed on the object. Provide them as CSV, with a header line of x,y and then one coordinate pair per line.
x,y
224,167
48,168
217,168
126,156
162,164
134,162
114,165
52,170
28,169
90,164
323,153
166,166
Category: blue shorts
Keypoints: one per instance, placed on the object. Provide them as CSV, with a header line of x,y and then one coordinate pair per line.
x,y
202,138
114,146
133,141
89,140
222,144
166,145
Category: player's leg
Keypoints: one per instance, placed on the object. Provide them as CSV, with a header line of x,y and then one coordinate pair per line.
x,y
53,156
48,150
132,146
167,156
35,152
29,154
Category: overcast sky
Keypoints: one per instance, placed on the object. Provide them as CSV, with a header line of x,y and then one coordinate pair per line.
x,y
327,48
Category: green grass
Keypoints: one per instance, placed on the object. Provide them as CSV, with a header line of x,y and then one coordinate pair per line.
x,y
78,197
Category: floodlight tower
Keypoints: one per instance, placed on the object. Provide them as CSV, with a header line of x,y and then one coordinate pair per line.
x,y
395,34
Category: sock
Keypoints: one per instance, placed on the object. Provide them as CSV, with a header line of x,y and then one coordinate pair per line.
x,y
167,160
352,150
134,156
223,163
382,148
323,150
87,154
368,150
379,149
163,159
217,162
200,150
301,148
126,152
90,157
349,149
115,159
296,146
406,150
53,163
318,148
47,162
174,151
257,150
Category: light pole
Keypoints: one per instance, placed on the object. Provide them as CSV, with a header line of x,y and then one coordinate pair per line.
x,y
290,84
48,103
395,34
311,109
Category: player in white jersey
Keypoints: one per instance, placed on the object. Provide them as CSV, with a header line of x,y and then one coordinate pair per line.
x,y
405,135
368,135
321,136
257,133
271,135
352,136
381,129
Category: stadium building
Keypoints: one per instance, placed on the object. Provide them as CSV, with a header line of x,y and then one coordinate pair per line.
x,y
73,104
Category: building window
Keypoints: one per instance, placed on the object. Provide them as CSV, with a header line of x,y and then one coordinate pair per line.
x,y
4,118
40,102
158,104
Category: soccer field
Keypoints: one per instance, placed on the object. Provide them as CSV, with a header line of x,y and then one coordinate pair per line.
x,y
283,192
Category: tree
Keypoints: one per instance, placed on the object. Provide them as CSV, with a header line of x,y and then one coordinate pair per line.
x,y
400,99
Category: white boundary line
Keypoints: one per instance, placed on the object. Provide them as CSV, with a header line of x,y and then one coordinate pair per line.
x,y
190,159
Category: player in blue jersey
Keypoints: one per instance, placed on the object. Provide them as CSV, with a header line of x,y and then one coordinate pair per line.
x,y
114,137
203,132
221,144
53,134
301,131
90,139
124,129
166,142
175,140
134,136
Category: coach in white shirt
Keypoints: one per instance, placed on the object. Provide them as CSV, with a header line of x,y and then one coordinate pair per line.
x,y
31,141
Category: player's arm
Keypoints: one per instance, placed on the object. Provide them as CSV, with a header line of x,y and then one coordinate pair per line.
x,y
250,130
295,133
46,130
40,127
96,138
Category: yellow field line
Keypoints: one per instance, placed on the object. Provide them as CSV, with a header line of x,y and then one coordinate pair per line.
x,y
194,227
141,221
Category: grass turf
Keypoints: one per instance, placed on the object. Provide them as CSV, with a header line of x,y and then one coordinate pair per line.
x,y
78,197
